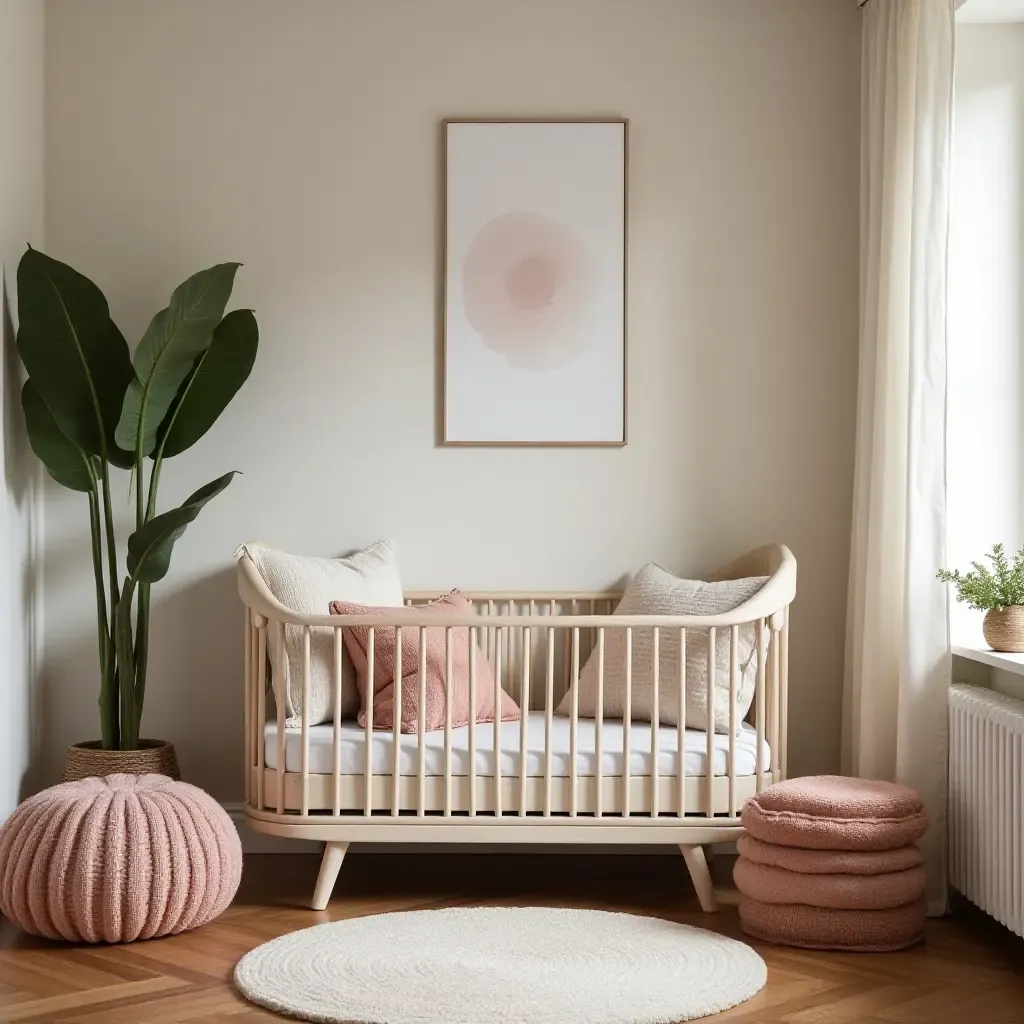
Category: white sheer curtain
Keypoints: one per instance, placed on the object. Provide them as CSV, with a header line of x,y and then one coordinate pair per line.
x,y
897,657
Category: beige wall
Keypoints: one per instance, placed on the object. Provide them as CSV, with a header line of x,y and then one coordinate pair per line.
x,y
302,138
21,221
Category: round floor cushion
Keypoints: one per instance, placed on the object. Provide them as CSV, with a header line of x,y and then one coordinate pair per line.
x,y
863,931
842,892
829,862
832,812
118,858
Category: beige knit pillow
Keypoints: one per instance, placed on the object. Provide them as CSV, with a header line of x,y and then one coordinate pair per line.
x,y
655,591
307,586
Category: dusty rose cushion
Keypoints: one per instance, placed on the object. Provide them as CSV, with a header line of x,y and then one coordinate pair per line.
x,y
844,892
829,862
357,642
865,931
117,859
832,812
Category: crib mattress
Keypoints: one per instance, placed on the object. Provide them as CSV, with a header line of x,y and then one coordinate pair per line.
x,y
353,747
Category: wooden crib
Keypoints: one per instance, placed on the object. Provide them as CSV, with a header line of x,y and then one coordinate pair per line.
x,y
556,779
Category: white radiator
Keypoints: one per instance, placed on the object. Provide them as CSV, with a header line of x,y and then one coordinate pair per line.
x,y
986,801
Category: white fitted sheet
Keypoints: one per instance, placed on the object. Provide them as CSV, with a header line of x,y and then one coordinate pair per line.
x,y
353,738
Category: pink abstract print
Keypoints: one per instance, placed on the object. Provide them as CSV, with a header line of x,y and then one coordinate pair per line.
x,y
526,282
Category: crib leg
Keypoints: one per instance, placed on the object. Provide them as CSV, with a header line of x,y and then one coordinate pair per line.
x,y
334,854
697,865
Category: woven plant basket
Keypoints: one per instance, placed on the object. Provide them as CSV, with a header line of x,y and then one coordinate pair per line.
x,y
1003,629
88,760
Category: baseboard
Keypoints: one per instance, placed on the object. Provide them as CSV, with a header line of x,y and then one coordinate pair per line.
x,y
258,842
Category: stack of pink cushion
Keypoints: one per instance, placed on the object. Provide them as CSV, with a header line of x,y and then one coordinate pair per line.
x,y
830,863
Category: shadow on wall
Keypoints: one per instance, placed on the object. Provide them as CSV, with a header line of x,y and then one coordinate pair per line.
x,y
193,691
22,729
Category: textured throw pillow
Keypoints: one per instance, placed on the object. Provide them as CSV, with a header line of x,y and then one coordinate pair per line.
x,y
306,586
655,591
357,641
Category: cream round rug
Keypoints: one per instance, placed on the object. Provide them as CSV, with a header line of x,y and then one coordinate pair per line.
x,y
501,966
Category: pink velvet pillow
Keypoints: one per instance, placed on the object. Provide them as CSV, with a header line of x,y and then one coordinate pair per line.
x,y
357,640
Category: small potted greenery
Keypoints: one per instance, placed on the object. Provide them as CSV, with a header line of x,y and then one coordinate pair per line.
x,y
92,409
999,593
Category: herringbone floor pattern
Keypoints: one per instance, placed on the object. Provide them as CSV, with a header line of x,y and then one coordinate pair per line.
x,y
969,971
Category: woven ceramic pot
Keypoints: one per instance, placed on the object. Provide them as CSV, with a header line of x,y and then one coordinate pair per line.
x,y
1003,629
117,859
90,760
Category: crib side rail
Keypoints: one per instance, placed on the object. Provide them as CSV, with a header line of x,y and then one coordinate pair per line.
x,y
774,596
537,655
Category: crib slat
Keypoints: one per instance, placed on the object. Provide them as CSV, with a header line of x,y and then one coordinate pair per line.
x,y
259,732
531,613
574,716
681,725
599,723
336,751
627,724
709,726
759,704
491,632
249,684
734,673
496,774
784,698
524,715
371,679
472,721
396,729
281,700
593,630
510,650
655,718
549,702
448,721
775,701
305,719
567,654
421,728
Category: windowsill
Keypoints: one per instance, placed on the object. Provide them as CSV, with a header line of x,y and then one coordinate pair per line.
x,y
994,659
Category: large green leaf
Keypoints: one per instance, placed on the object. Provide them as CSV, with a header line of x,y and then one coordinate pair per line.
x,y
218,374
63,459
73,351
150,547
174,339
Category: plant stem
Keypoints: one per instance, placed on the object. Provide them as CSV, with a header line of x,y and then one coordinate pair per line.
x,y
123,650
107,698
141,661
140,655
117,679
154,482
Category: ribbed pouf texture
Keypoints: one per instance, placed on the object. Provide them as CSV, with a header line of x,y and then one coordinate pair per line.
x,y
501,966
856,931
830,864
116,859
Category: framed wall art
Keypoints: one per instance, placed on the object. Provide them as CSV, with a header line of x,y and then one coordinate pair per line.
x,y
535,282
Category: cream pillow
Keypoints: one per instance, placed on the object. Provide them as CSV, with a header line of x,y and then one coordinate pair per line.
x,y
308,586
655,591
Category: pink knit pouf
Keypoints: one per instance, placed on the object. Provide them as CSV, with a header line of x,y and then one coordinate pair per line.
x,y
117,859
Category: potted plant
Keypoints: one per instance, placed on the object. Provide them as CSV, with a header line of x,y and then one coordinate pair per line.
x,y
91,409
999,593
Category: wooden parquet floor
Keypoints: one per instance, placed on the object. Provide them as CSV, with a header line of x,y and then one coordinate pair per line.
x,y
969,971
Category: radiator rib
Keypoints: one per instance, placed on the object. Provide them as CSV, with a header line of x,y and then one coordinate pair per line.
x,y
986,813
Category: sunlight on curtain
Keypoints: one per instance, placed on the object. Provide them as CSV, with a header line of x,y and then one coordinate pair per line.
x,y
897,662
